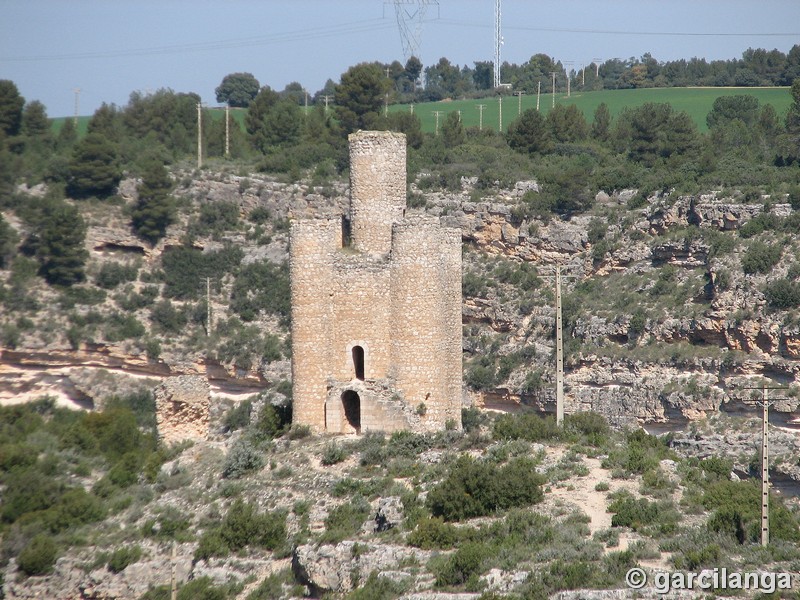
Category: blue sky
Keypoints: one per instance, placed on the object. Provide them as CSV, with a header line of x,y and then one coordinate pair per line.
x,y
109,48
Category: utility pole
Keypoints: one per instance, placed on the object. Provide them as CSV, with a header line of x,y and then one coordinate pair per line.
x,y
519,96
568,71
173,580
765,403
583,75
480,118
77,97
437,113
557,276
199,135
305,91
553,73
208,306
500,114
227,131
538,93
559,353
411,108
597,62
386,105
326,98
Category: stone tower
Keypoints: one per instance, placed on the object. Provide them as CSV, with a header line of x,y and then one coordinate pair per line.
x,y
376,307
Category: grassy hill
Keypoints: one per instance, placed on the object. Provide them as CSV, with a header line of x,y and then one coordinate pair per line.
x,y
695,101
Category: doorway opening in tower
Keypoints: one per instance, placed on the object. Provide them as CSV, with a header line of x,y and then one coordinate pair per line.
x,y
352,409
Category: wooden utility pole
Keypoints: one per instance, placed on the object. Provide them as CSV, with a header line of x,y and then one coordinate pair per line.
x,y
480,116
519,96
437,113
538,94
500,114
326,98
553,73
199,135
227,131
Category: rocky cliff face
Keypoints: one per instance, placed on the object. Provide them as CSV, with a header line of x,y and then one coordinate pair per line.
x,y
678,359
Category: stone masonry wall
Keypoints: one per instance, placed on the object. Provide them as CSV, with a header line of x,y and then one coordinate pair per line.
x,y
312,244
393,295
182,405
422,327
377,188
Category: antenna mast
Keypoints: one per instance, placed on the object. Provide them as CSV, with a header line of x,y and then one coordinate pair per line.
x,y
410,17
498,42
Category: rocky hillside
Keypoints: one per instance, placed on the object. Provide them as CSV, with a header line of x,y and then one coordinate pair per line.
x,y
672,303
673,306
510,506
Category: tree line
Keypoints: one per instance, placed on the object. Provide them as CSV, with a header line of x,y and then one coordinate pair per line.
x,y
652,147
413,82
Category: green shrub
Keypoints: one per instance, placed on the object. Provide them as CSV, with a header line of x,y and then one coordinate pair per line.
x,y
242,458
526,426
167,318
633,513
215,218
472,419
589,426
38,556
377,588
122,327
273,420
760,257
464,564
238,416
782,294
243,525
345,520
333,453
737,512
478,488
261,287
211,544
112,274
434,534
122,557
202,589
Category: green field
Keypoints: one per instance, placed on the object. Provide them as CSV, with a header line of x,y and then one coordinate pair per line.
x,y
695,101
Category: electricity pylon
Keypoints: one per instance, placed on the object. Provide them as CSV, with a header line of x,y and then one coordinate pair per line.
x,y
410,17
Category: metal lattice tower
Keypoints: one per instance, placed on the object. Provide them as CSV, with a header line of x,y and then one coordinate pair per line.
x,y
498,42
410,16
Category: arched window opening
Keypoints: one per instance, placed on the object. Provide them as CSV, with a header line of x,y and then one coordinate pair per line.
x,y
358,362
351,404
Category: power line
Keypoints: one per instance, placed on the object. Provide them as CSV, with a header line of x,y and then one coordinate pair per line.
x,y
364,26
457,23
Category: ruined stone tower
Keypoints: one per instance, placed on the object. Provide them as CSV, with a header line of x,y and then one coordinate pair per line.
x,y
376,310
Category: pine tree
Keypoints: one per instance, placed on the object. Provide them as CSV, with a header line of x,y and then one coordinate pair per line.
x,y
154,210
59,245
93,169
